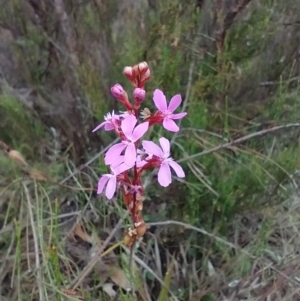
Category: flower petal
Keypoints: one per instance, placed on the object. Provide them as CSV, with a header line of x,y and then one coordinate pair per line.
x,y
113,153
179,115
140,163
111,187
117,162
160,100
177,168
170,125
139,131
151,148
130,155
128,124
99,126
124,114
165,145
174,103
121,168
109,127
101,183
164,175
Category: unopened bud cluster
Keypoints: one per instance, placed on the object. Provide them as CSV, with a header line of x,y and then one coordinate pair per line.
x,y
138,75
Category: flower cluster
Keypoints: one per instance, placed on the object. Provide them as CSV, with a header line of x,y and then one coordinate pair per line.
x,y
131,157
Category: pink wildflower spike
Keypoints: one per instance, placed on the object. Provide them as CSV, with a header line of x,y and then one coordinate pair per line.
x,y
166,112
163,155
132,134
127,163
110,123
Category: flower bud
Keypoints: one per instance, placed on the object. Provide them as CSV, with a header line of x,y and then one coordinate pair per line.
x,y
139,95
145,76
128,72
120,94
138,74
143,67
117,91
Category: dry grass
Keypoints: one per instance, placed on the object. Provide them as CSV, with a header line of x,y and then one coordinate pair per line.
x,y
52,248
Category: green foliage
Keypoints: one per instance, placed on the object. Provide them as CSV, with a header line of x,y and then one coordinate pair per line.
x,y
17,127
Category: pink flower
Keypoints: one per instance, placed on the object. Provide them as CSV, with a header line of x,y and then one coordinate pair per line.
x,y
163,155
110,123
111,184
135,189
167,110
132,134
110,180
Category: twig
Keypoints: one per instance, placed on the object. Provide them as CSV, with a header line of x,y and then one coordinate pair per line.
x,y
240,140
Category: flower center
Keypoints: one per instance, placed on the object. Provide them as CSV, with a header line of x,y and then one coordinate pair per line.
x,y
167,113
166,155
128,140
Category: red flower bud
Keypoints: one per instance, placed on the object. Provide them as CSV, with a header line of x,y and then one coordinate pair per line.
x,y
145,76
143,68
128,72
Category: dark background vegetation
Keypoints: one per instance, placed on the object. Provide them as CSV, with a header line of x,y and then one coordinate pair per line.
x,y
236,64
